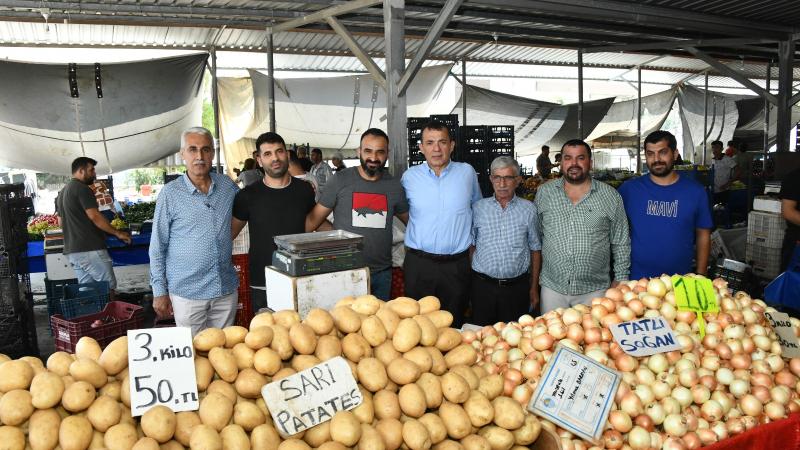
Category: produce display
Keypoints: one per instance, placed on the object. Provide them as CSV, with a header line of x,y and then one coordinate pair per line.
x,y
39,225
729,381
420,384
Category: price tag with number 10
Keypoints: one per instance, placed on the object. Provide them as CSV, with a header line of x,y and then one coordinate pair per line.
x,y
161,370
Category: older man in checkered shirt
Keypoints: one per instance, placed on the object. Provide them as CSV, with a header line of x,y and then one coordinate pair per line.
x,y
506,253
583,225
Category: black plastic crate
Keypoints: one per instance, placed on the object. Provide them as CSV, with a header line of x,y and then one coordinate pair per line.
x,y
83,299
54,291
474,132
498,131
417,122
451,120
415,163
11,191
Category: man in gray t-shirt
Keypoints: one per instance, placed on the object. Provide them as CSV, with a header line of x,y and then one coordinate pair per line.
x,y
363,200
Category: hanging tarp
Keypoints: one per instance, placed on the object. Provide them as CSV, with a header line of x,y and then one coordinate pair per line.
x,y
535,122
621,117
722,117
143,110
330,113
751,119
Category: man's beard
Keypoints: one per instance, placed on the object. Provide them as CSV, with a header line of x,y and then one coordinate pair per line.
x,y
370,171
277,173
662,170
577,179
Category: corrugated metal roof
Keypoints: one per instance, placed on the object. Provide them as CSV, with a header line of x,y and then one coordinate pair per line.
x,y
780,11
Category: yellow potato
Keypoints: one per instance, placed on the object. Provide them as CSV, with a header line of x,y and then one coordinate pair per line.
x,y
172,445
386,353
438,366
159,423
421,357
479,409
75,433
59,363
366,304
464,354
264,319
15,375
372,374
429,333
203,371
448,444
46,390
111,389
184,422
15,407
407,335
224,363
146,443
475,442
85,369
302,362
78,396
355,347
403,371
346,320
386,405
104,413
234,438
433,423
455,420
404,307
249,383
345,428
441,318
114,358
391,431
303,338
216,410
429,304
328,347
365,412
373,330
283,373
286,318
248,415
234,335
370,439
43,429
412,400
432,387
264,437
415,435
491,386
224,388
267,361
331,445
499,438
258,337
449,338
320,321
124,391
508,413
280,342
480,372
209,338
528,432
468,375
12,438
87,347
293,444
205,437
318,435
244,355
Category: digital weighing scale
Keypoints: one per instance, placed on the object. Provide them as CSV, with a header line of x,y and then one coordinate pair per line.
x,y
315,253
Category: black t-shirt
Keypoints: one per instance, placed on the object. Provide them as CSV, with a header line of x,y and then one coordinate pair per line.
x,y
80,233
306,164
271,212
790,190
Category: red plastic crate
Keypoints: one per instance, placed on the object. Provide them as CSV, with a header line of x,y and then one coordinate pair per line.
x,y
244,309
397,289
118,318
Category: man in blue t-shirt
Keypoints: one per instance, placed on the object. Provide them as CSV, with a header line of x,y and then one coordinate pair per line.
x,y
669,215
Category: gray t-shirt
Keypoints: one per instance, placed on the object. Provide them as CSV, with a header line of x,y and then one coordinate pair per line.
x,y
366,208
80,233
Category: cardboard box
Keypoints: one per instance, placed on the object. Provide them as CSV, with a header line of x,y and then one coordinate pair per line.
x,y
313,291
767,204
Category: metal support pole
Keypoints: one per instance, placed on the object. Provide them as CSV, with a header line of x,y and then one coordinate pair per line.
x,y
639,120
271,85
580,93
783,123
464,91
394,32
705,120
766,114
215,105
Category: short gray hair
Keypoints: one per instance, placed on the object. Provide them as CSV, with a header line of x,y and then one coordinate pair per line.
x,y
196,130
501,162
338,155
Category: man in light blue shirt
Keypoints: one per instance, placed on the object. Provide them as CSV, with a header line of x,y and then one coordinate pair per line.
x,y
191,269
440,194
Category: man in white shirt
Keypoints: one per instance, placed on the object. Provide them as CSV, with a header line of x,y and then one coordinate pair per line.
x,y
723,168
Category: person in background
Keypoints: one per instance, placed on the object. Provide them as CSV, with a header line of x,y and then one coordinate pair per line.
x,y
296,170
191,269
543,164
338,162
664,206
440,194
275,206
740,158
364,199
321,170
583,226
250,173
506,251
790,210
302,158
723,167
85,228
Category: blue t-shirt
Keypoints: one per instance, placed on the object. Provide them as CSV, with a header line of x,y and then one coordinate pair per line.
x,y
663,221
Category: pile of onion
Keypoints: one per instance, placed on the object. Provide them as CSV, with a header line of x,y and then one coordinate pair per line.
x,y
715,387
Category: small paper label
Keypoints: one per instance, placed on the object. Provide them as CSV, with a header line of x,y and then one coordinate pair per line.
x,y
786,337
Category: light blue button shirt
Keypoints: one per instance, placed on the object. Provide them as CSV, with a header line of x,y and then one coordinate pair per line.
x,y
440,219
504,238
191,246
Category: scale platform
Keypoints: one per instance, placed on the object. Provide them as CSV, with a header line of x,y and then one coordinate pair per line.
x,y
316,253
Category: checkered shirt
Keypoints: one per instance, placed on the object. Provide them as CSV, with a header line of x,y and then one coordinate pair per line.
x,y
504,238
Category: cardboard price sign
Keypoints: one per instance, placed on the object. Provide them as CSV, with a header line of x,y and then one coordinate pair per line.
x,y
695,294
161,369
645,337
312,396
786,337
576,393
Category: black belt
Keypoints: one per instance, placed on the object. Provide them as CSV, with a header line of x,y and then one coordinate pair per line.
x,y
503,282
435,257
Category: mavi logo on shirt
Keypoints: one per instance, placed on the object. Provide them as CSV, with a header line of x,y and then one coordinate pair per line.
x,y
662,209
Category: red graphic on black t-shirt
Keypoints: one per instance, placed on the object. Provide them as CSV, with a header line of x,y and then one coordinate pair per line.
x,y
370,210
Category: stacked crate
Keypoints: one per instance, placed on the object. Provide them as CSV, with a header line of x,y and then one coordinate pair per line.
x,y
765,233
241,262
414,126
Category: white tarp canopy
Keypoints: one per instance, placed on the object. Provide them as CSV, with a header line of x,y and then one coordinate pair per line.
x,y
621,117
143,110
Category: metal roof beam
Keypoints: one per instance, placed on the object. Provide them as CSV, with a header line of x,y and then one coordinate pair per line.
x,y
90,7
738,77
358,51
669,45
333,11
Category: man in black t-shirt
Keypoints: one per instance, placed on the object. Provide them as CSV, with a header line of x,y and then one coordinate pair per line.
x,y
790,198
275,206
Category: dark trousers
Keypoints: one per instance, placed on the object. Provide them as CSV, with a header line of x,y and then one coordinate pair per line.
x,y
258,298
447,280
492,303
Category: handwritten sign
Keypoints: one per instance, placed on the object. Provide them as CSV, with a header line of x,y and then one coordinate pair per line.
x,y
645,337
576,393
695,294
786,337
161,369
312,396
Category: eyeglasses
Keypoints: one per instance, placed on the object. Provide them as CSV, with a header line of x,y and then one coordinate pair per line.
x,y
507,178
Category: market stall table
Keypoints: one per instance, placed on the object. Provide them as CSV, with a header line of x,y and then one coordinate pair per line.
x,y
121,254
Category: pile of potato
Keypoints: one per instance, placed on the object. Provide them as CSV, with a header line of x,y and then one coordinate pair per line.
x,y
420,384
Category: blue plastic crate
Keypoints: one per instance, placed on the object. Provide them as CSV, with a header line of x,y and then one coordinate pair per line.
x,y
83,299
55,293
